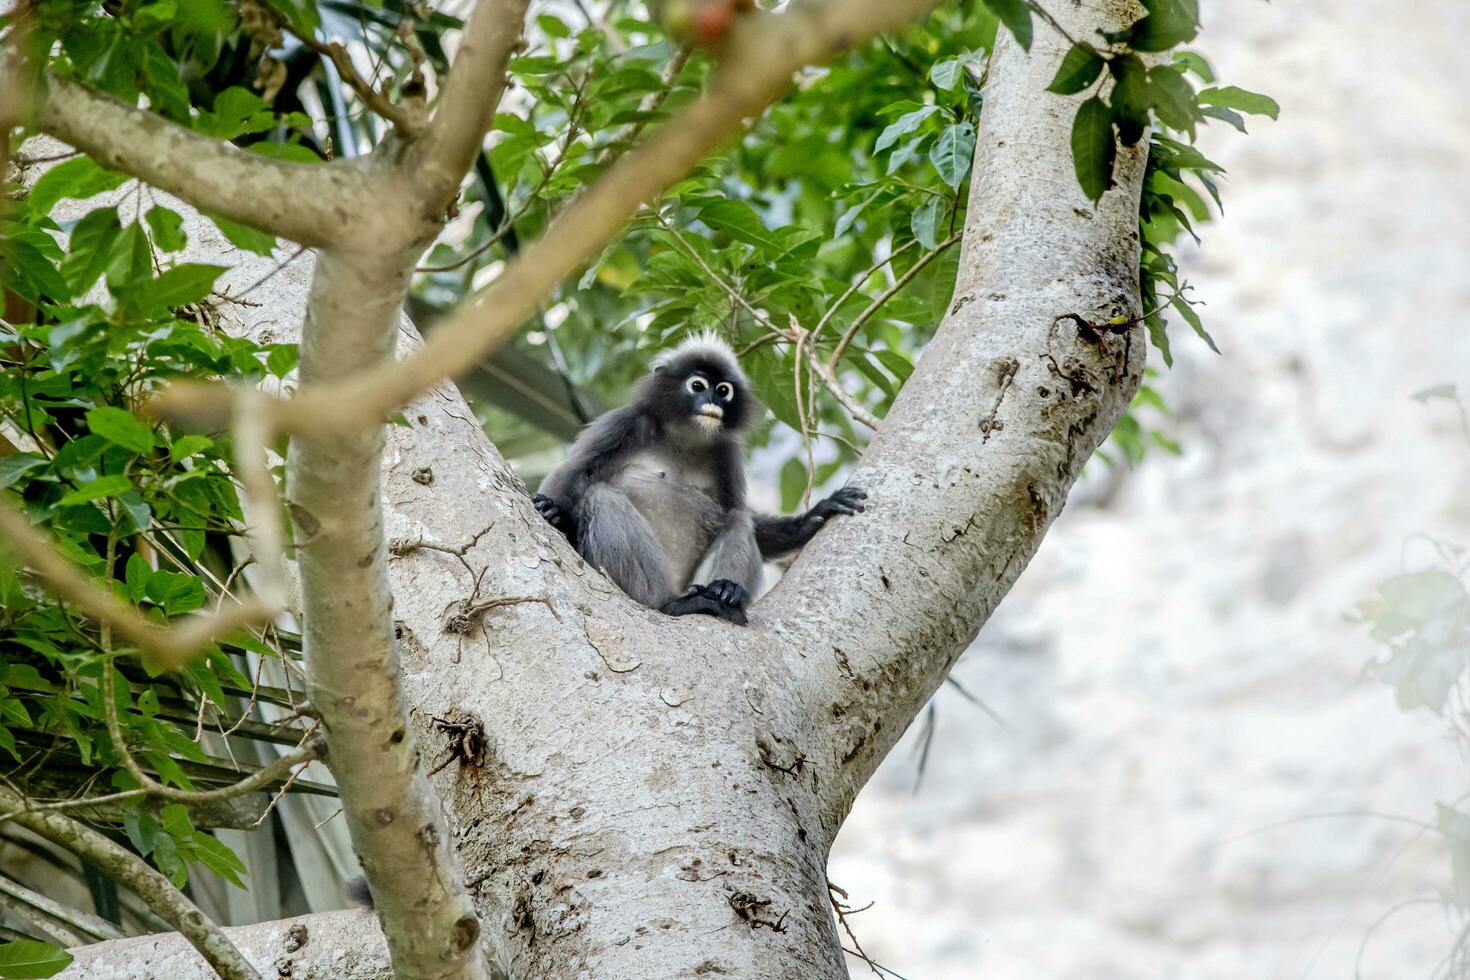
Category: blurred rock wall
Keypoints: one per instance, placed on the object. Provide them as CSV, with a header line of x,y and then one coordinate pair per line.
x,y
1195,780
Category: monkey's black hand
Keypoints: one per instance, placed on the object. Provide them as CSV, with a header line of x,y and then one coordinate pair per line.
x,y
554,515
722,598
728,593
848,500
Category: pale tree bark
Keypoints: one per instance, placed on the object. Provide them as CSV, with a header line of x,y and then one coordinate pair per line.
x,y
656,797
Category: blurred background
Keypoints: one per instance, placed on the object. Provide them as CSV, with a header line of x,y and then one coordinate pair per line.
x,y
1220,727
1198,775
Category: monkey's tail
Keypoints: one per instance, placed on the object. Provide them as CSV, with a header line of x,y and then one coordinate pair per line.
x,y
358,892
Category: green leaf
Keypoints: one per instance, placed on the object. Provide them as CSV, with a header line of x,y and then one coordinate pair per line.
x,y
218,858
282,359
24,677
1093,149
1173,98
132,262
168,229
90,248
896,363
302,14
793,484
1226,115
738,220
909,151
176,592
244,236
1078,70
552,26
17,465
1131,99
1195,62
1167,23
121,428
925,221
185,446
98,489
38,270
1232,97
946,72
902,126
952,153
27,959
845,223
1016,15
1192,318
136,577
179,286
77,177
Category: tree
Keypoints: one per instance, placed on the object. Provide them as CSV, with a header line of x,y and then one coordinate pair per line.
x,y
632,794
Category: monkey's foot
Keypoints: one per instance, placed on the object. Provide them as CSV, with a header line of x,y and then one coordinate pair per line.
x,y
553,514
722,598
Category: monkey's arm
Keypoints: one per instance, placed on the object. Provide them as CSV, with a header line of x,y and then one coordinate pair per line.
x,y
611,438
777,536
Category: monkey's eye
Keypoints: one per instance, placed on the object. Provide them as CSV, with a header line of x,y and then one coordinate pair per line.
x,y
696,384
725,390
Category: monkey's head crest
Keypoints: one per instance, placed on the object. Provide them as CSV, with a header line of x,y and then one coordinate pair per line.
x,y
699,384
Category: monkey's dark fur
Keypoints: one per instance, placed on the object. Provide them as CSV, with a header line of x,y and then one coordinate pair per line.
x,y
654,494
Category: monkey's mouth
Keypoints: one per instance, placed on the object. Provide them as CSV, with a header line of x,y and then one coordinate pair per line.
x,y
710,417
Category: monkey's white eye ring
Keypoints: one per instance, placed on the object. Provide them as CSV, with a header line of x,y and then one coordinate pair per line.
x,y
725,390
696,384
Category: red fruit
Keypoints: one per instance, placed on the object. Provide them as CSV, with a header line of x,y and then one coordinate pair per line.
x,y
712,21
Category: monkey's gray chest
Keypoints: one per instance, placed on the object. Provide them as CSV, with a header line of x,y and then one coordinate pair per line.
x,y
675,496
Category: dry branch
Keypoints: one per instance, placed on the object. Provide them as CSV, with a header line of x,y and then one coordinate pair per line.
x,y
133,873
762,56
305,202
169,646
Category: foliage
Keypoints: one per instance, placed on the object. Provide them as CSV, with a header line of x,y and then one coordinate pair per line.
x,y
97,314
1422,620
846,187
25,959
836,213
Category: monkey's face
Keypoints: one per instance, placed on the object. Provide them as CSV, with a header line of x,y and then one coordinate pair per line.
x,y
711,401
703,391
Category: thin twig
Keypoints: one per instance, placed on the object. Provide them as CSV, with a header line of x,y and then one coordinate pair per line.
x,y
884,297
763,52
858,283
169,646
252,436
311,748
84,924
408,121
131,871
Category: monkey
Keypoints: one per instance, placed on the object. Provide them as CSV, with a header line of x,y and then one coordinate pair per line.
x,y
653,494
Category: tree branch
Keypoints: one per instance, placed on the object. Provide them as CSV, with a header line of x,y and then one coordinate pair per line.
x,y
307,203
310,749
404,120
765,51
896,594
467,103
336,501
131,871
346,945
884,297
169,646
84,925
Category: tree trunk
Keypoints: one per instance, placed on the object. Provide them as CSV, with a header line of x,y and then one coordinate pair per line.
x,y
655,797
